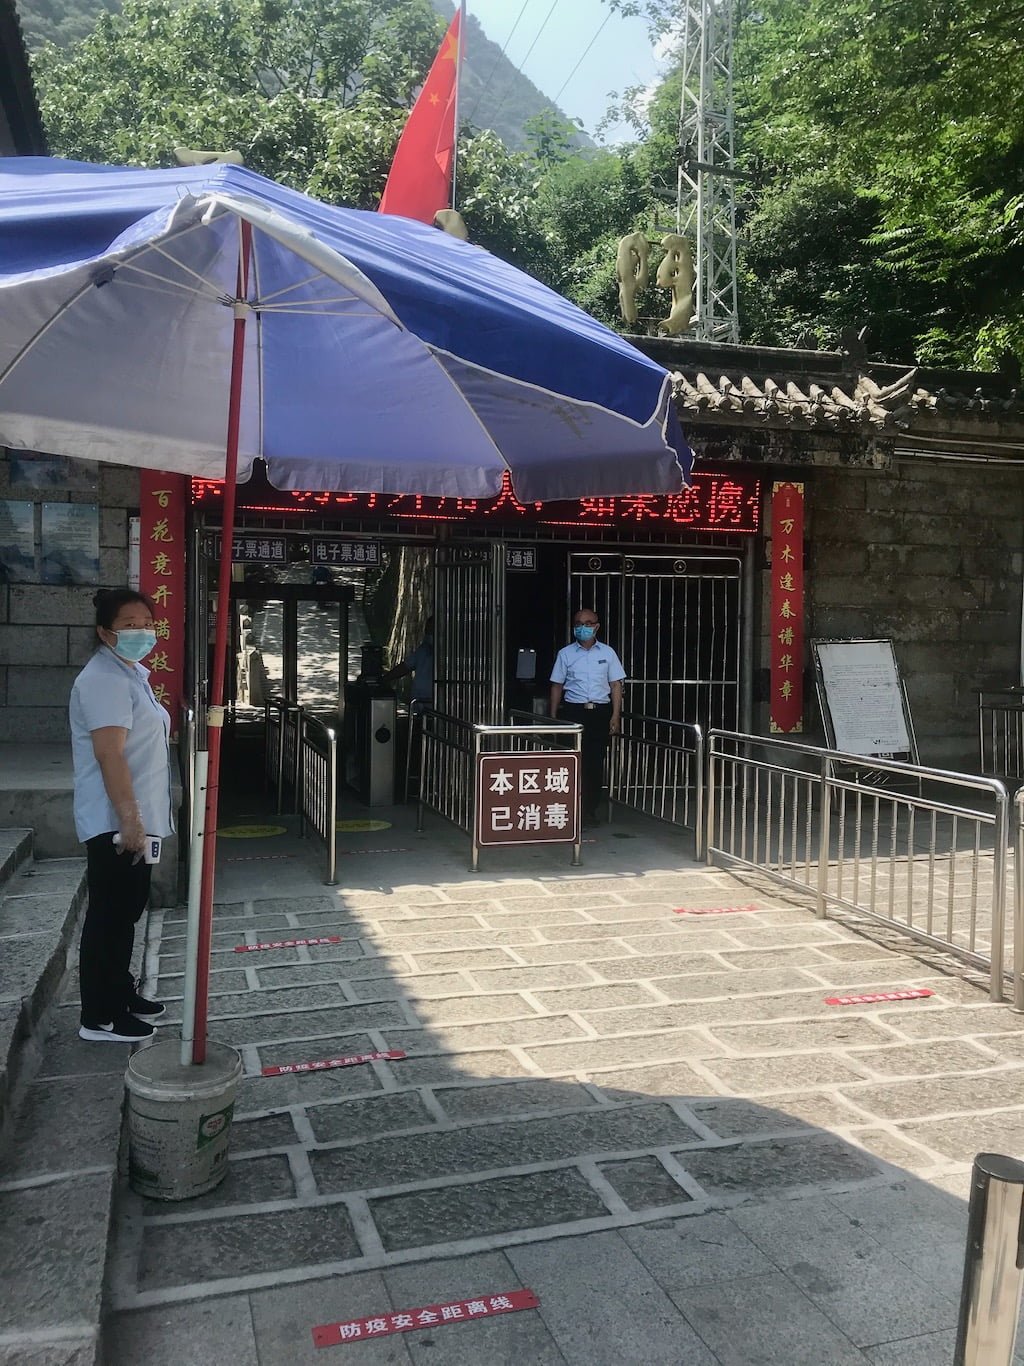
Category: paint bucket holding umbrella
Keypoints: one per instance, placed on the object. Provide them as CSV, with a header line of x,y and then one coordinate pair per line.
x,y
179,1119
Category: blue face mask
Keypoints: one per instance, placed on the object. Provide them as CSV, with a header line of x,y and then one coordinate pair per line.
x,y
135,645
584,633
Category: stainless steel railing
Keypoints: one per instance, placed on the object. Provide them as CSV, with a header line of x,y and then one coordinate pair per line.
x,y
656,766
931,862
1018,900
318,787
446,769
291,757
1001,734
528,730
282,724
273,750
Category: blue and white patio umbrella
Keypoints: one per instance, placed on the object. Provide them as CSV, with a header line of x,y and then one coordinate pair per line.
x,y
380,354
198,320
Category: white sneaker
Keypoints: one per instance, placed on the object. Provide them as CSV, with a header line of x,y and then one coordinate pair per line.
x,y
125,1029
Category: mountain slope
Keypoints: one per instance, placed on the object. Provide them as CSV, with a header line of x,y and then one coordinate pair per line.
x,y
494,94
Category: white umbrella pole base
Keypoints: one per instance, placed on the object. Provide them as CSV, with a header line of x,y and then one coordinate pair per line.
x,y
179,1119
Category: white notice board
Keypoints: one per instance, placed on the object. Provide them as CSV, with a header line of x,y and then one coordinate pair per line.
x,y
863,701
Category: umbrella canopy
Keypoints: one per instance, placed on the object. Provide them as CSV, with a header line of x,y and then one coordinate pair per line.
x,y
196,320
381,355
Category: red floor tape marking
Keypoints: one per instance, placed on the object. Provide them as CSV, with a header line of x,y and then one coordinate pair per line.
x,y
287,943
713,910
325,1064
259,858
430,1316
911,994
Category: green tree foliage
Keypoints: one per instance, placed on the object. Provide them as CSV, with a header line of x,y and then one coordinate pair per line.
x,y
886,143
313,92
497,196
897,124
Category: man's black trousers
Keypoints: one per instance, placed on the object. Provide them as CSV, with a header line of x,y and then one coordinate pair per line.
x,y
118,892
595,721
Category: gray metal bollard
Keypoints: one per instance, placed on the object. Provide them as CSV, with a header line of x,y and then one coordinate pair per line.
x,y
994,1263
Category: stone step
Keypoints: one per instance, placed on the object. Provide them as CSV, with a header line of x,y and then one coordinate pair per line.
x,y
61,1102
58,1170
39,909
15,852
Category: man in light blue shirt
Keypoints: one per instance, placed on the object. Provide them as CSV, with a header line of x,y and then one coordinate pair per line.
x,y
586,688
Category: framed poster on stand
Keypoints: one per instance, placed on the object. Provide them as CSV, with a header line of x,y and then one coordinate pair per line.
x,y
863,700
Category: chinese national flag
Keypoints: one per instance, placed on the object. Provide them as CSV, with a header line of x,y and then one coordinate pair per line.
x,y
420,179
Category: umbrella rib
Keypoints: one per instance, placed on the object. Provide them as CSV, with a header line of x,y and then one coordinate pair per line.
x,y
169,288
584,403
42,329
69,303
310,311
296,284
476,416
196,275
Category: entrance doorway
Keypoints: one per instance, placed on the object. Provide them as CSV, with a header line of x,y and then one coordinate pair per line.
x,y
290,640
299,631
502,609
675,621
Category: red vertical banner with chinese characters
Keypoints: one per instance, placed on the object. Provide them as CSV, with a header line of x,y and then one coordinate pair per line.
x,y
786,710
162,575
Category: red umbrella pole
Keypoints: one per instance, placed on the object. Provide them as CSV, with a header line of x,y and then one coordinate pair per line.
x,y
215,710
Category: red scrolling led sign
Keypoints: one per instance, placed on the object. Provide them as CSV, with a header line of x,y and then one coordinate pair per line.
x,y
715,502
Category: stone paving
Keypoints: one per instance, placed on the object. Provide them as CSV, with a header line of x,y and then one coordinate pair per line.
x,y
653,1120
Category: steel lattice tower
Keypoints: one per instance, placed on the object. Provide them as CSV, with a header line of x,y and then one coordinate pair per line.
x,y
706,204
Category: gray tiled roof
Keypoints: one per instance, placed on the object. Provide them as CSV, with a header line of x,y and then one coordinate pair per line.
x,y
718,385
857,400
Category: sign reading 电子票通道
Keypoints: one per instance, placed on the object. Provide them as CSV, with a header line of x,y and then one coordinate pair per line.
x,y
329,550
162,577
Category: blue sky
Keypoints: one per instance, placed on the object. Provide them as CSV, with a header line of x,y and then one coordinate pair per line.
x,y
621,55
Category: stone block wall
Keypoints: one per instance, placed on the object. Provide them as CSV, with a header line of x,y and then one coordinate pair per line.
x,y
931,556
46,631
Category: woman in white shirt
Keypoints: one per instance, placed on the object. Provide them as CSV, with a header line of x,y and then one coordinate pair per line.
x,y
119,738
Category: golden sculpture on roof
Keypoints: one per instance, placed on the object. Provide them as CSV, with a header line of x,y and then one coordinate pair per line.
x,y
453,223
631,272
676,273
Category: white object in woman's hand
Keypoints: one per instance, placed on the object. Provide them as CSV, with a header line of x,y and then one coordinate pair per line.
x,y
131,838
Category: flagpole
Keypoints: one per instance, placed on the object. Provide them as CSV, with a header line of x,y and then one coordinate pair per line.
x,y
458,86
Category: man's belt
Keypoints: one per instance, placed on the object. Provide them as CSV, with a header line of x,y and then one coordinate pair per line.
x,y
588,706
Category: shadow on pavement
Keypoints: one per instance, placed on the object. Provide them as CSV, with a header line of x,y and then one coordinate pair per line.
x,y
652,1120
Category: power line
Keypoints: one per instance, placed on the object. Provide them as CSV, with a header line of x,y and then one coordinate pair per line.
x,y
582,57
508,88
497,60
